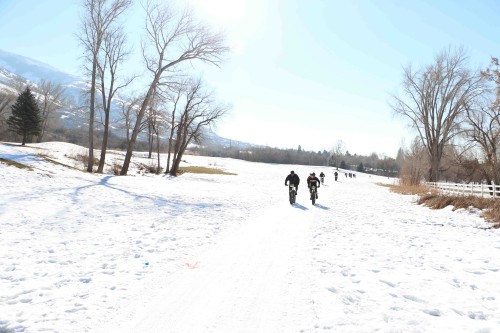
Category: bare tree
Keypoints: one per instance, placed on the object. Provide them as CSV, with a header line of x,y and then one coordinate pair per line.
x,y
113,55
98,16
19,83
200,110
173,39
7,98
129,106
51,98
336,154
483,120
174,97
434,99
484,131
157,122
414,164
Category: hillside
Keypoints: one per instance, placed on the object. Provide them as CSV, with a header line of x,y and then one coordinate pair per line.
x,y
85,252
16,68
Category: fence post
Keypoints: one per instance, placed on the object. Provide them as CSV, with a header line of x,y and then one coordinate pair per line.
x,y
494,189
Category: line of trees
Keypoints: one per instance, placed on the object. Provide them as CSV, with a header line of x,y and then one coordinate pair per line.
x,y
174,103
42,99
455,111
373,164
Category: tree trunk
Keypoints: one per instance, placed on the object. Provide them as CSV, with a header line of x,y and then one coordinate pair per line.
x,y
104,146
158,152
137,127
92,115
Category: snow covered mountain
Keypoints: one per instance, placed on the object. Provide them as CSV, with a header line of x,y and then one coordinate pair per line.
x,y
33,70
15,68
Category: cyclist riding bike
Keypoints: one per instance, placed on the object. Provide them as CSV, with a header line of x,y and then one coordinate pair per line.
x,y
312,180
294,179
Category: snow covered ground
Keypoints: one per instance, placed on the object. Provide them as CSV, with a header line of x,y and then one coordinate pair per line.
x,y
84,252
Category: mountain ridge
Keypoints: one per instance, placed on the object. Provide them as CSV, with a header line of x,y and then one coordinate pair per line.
x,y
15,67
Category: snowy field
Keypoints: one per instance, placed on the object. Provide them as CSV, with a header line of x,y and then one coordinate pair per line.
x,y
200,253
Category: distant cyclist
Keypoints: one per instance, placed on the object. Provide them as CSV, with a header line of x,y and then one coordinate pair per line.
x,y
322,177
312,180
294,179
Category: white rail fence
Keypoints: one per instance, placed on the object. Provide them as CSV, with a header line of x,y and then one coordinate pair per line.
x,y
482,190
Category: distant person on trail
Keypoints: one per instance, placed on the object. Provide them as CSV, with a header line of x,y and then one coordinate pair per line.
x,y
322,177
294,179
313,180
336,175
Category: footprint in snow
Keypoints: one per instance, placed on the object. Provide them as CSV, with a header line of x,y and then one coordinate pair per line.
x,y
390,284
413,298
432,312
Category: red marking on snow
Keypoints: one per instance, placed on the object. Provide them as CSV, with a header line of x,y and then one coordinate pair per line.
x,y
192,266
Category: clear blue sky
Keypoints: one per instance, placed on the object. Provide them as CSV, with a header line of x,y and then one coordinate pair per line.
x,y
303,73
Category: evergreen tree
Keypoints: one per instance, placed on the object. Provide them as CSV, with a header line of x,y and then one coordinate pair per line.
x,y
25,119
360,168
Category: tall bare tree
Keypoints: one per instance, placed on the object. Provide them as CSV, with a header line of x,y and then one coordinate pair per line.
x,y
174,97
172,39
113,55
200,110
50,99
157,122
98,16
433,99
483,120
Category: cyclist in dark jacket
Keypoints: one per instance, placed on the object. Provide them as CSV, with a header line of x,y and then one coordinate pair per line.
x,y
294,179
313,180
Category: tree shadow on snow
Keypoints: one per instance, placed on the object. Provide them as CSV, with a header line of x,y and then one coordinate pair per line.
x,y
171,203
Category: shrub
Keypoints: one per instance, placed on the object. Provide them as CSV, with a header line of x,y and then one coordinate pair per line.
x,y
117,168
433,199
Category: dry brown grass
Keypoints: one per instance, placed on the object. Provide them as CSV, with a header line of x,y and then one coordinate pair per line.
x,y
411,189
433,199
492,213
16,164
205,170
50,160
149,168
84,159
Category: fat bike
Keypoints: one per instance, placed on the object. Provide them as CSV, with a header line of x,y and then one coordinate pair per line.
x,y
292,193
314,194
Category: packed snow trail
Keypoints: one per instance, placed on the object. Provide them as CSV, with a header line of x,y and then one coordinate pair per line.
x,y
256,279
215,253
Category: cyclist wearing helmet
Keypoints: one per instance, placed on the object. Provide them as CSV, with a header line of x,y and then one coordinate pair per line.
x,y
294,179
313,180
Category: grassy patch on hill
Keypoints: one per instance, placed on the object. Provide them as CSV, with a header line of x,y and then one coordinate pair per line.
x,y
16,164
204,170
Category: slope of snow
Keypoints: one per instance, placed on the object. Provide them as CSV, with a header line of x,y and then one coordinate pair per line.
x,y
32,69
218,253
